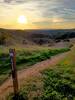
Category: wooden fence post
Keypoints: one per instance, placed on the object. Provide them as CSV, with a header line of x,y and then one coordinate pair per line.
x,y
14,71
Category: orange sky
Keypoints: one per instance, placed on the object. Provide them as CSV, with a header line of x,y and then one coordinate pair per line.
x,y
43,14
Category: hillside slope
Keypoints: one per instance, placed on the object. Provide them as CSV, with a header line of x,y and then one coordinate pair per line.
x,y
33,71
11,37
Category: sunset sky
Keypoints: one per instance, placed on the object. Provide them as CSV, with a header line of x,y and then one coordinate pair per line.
x,y
39,14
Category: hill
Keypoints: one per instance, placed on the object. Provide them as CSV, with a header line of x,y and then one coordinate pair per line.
x,y
11,37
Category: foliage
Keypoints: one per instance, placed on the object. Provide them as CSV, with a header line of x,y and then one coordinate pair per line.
x,y
20,96
26,58
59,84
2,39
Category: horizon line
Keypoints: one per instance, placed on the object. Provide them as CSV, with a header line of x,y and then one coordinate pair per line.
x,y
39,29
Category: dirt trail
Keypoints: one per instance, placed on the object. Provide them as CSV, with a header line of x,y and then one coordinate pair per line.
x,y
33,70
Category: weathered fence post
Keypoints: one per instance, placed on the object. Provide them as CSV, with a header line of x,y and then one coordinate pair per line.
x,y
14,71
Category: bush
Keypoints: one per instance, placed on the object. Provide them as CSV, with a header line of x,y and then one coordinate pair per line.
x,y
20,96
57,87
2,39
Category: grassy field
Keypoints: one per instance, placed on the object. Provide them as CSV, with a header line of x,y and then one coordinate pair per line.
x,y
57,83
25,58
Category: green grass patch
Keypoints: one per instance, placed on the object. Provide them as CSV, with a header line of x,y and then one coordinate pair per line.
x,y
26,58
59,83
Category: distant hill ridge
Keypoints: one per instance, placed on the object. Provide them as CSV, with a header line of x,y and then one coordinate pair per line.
x,y
13,36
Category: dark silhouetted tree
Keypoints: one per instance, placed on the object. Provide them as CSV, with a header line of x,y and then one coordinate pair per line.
x,y
2,39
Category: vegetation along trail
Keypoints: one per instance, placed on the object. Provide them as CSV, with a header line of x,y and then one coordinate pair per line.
x,y
34,70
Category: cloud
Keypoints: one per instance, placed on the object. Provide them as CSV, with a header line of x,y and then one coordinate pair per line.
x,y
58,20
57,11
42,23
7,1
15,1
49,21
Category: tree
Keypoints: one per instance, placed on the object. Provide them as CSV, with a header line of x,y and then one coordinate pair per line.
x,y
2,39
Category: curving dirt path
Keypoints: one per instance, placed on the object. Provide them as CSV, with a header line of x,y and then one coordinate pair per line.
x,y
33,70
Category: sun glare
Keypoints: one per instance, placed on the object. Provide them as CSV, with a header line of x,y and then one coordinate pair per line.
x,y
22,19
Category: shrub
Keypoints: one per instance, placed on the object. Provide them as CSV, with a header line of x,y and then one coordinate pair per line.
x,y
57,87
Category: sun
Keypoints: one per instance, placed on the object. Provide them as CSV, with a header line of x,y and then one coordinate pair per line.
x,y
22,19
